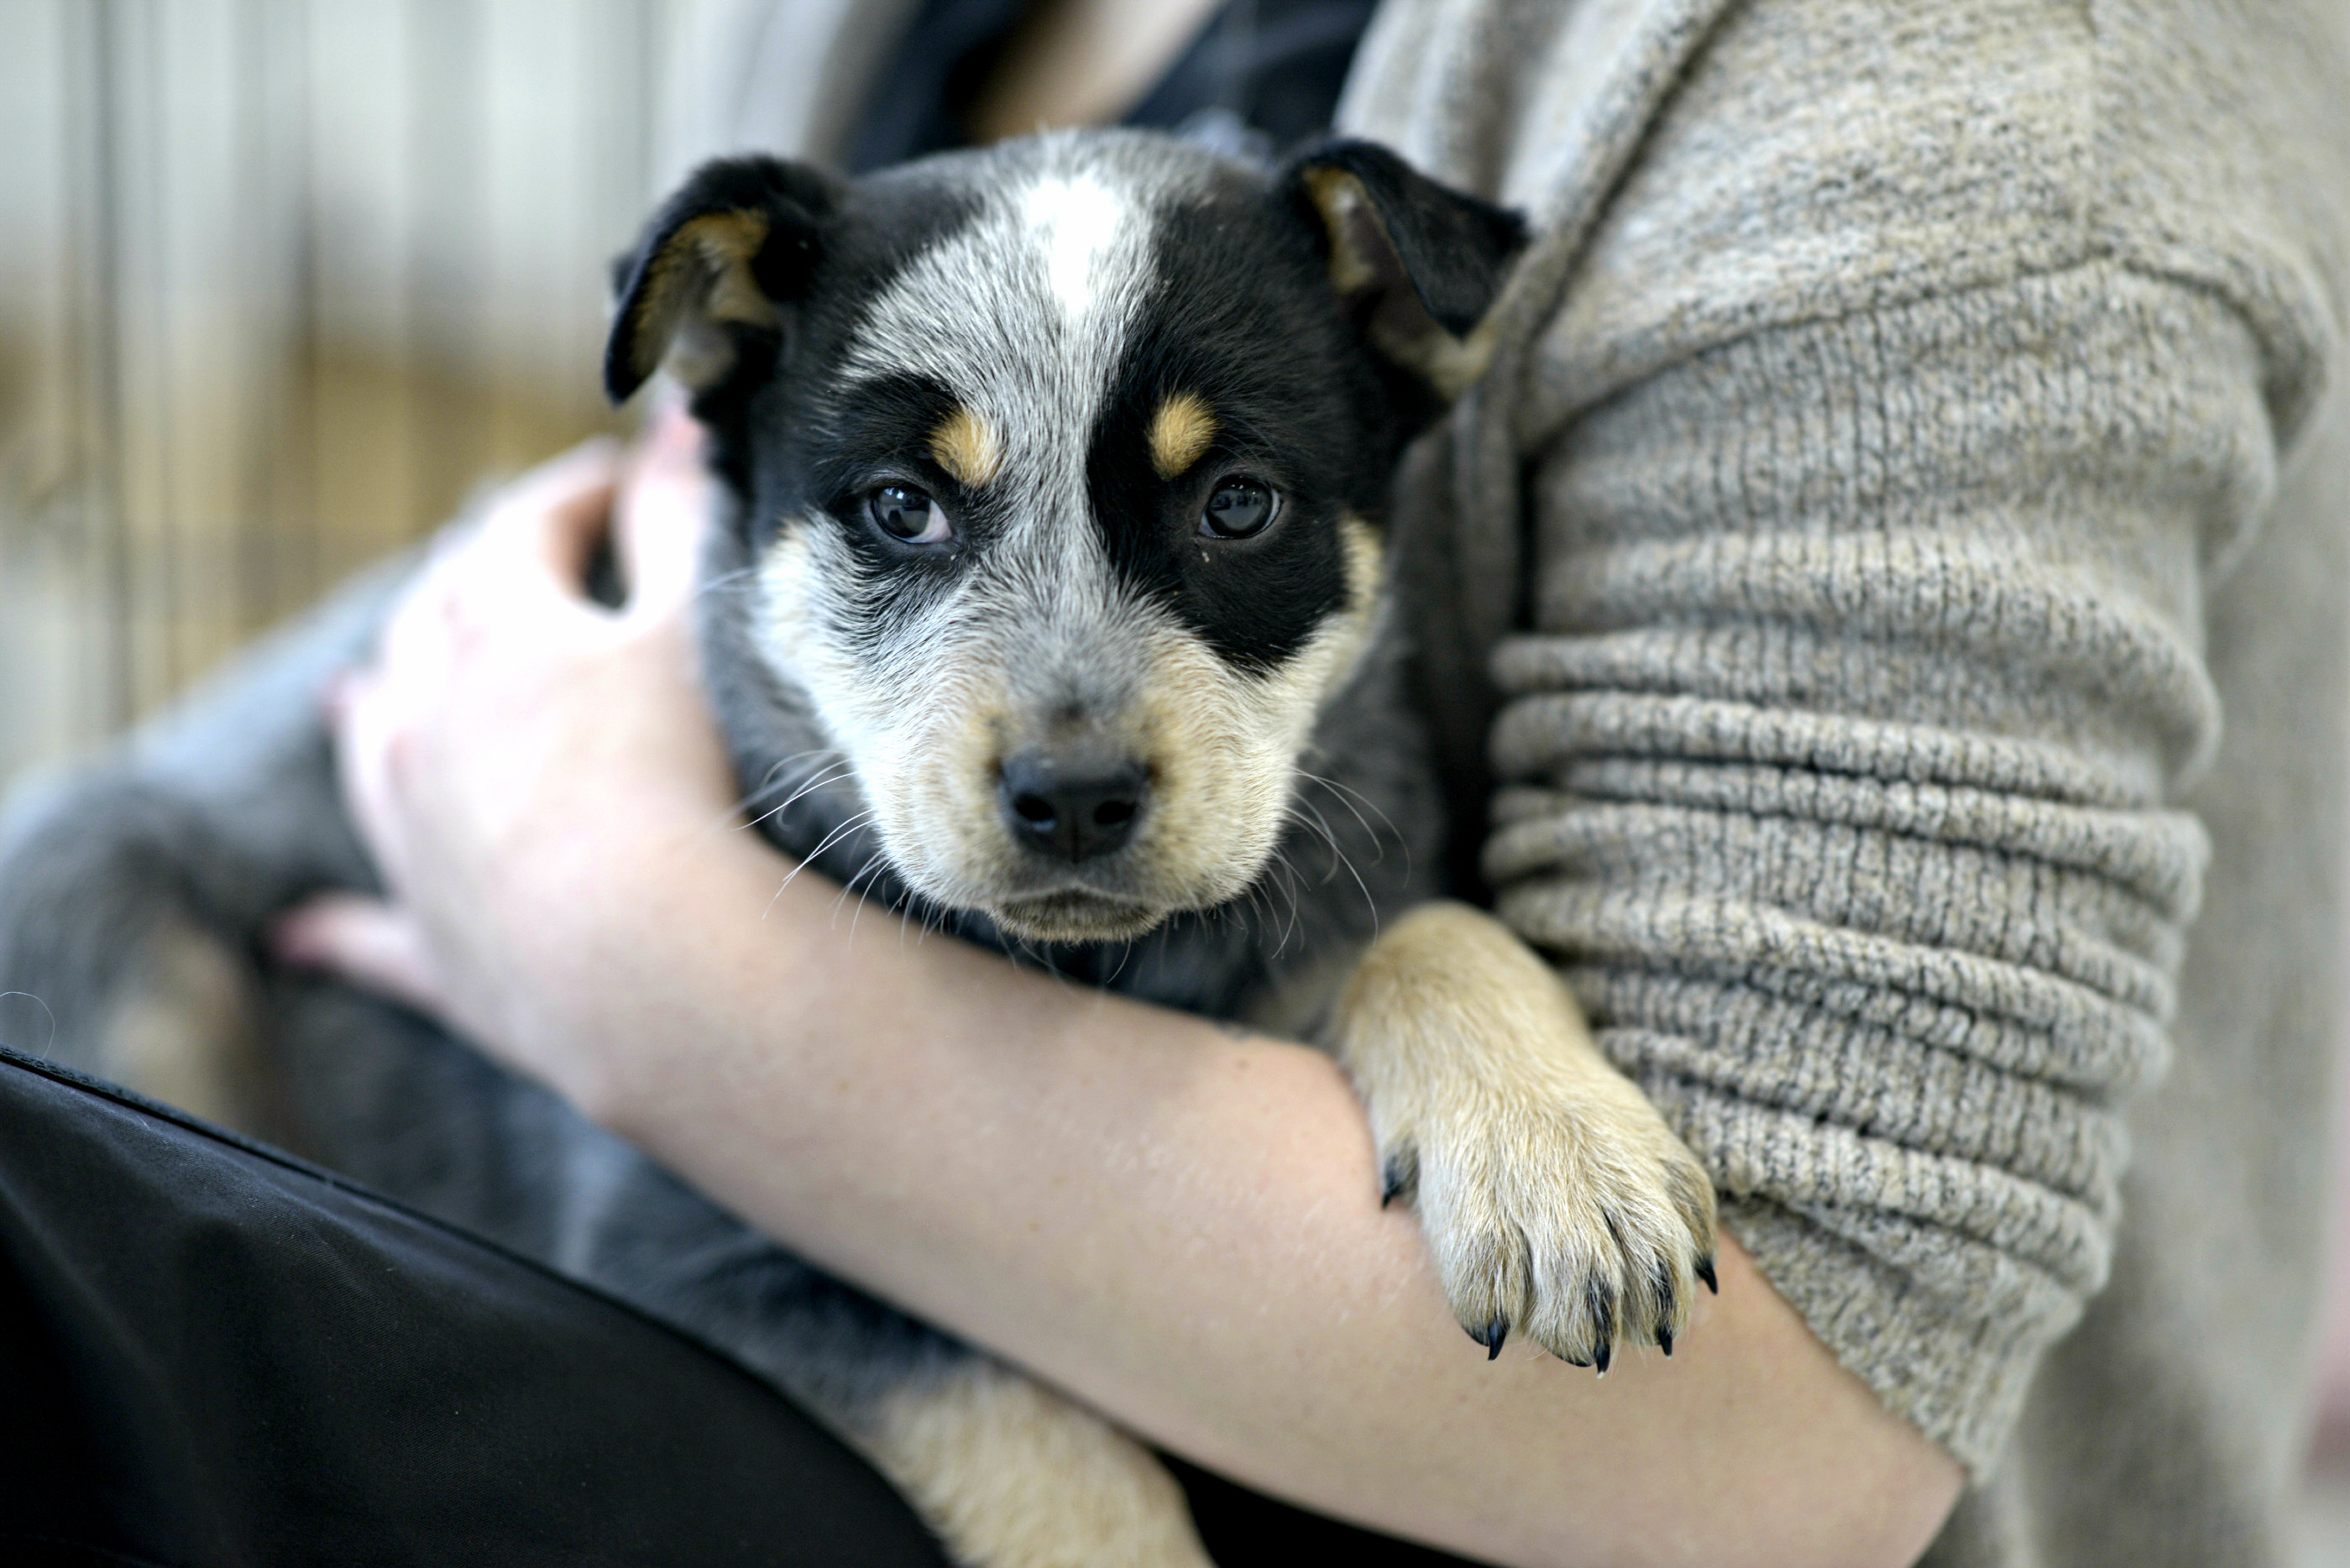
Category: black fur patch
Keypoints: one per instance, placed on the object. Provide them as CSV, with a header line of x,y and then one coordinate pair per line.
x,y
789,202
1455,248
1242,316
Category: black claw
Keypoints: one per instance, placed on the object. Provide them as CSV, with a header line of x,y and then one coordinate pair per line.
x,y
1660,1285
1705,1273
1393,1180
1599,1301
1490,1336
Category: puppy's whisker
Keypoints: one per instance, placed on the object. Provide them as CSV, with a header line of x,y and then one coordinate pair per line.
x,y
830,777
1256,897
872,864
934,917
1320,824
1270,923
1370,904
1297,909
850,825
782,775
726,580
1339,857
1346,796
784,805
1052,967
779,776
750,797
1280,863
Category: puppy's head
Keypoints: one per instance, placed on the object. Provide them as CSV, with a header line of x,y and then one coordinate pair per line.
x,y
1062,465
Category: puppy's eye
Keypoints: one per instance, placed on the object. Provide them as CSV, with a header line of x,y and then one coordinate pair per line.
x,y
904,513
1238,508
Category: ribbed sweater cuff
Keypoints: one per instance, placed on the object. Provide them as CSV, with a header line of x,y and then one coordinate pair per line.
x,y
1959,1376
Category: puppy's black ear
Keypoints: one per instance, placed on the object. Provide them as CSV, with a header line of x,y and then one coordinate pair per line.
x,y
714,271
1419,262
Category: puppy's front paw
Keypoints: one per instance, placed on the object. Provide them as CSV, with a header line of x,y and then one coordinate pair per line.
x,y
1570,1221
1557,1204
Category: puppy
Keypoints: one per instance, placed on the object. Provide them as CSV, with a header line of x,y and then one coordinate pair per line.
x,y
1053,611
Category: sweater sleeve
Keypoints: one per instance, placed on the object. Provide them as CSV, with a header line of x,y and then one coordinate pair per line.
x,y
1866,652
1898,379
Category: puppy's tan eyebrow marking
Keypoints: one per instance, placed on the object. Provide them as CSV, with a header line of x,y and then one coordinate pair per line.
x,y
1180,431
965,446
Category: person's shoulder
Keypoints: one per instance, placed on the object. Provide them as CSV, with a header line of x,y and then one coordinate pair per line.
x,y
1700,170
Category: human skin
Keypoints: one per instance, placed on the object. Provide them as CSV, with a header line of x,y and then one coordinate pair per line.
x,y
1177,1223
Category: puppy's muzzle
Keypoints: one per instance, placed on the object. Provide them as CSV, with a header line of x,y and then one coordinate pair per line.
x,y
1073,806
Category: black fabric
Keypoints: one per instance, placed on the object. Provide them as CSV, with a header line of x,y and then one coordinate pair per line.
x,y
1242,1529
1262,77
1265,73
919,102
212,1354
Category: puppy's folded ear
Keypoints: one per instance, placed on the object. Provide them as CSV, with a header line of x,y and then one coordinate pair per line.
x,y
715,271
1420,264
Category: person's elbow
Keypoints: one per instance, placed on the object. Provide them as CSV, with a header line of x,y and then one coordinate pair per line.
x,y
1909,1487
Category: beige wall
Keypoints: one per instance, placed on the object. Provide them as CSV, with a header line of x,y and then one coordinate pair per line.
x,y
279,281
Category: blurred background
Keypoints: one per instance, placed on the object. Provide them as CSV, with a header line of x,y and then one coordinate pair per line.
x,y
281,281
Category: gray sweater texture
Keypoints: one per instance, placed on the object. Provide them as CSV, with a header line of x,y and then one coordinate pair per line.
x,y
1891,580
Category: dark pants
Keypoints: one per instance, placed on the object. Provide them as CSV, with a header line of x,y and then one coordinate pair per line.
x,y
211,1353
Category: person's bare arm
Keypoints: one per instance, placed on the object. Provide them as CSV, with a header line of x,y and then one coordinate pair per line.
x,y
1180,1226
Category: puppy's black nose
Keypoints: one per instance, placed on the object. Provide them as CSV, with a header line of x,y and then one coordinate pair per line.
x,y
1072,808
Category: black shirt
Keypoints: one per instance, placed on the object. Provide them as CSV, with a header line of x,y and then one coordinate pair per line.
x,y
1261,77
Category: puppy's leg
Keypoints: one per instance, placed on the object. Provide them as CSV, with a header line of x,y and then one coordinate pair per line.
x,y
1012,1475
1557,1202
112,964
133,892
183,1030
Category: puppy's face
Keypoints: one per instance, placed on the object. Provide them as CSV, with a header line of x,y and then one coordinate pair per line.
x,y
1061,464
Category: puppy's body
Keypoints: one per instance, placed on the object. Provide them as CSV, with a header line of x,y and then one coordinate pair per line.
x,y
1052,615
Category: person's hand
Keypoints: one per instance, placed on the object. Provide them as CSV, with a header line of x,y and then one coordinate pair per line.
x,y
518,749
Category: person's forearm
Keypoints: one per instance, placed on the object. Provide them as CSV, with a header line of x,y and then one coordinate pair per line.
x,y
1185,1232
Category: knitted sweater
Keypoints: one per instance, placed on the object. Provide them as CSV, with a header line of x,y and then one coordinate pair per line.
x,y
1908,439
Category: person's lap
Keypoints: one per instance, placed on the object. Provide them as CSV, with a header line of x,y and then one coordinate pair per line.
x,y
216,1354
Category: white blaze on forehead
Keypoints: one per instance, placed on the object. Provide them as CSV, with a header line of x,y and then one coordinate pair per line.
x,y
1077,223
1023,313
1024,310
